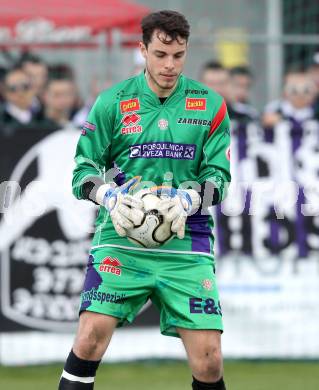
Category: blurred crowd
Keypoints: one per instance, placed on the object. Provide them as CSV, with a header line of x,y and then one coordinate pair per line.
x,y
36,95
299,100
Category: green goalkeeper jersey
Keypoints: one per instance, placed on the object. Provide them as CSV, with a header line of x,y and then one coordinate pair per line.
x,y
183,140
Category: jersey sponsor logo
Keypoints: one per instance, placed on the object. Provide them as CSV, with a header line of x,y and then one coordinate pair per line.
x,y
194,122
94,295
195,104
169,150
131,130
163,124
196,92
131,119
130,122
129,105
111,265
204,306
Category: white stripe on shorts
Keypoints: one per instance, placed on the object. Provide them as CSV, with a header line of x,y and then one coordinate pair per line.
x,y
152,250
73,378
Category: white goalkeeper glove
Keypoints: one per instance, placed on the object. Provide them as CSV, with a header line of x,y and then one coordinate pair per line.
x,y
178,205
125,210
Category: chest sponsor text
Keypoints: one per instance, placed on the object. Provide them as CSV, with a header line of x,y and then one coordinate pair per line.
x,y
169,150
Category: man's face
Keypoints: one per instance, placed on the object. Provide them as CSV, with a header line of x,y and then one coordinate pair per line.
x,y
18,89
164,61
240,85
300,90
218,80
60,96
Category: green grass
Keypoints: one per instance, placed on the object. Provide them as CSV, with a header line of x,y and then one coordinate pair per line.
x,y
171,375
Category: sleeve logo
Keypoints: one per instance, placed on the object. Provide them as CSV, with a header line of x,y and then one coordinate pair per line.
x,y
129,105
88,126
195,104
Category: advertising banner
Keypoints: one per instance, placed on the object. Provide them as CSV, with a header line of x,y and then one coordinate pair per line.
x,y
266,245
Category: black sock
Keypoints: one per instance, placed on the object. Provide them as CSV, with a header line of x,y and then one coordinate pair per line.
x,y
197,385
78,374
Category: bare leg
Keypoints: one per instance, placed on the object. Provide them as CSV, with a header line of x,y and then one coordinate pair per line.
x,y
92,339
93,335
203,348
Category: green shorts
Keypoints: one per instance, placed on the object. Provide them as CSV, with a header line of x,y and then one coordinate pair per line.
x,y
183,286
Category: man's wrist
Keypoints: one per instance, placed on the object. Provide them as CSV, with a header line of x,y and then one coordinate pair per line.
x,y
103,192
194,198
90,187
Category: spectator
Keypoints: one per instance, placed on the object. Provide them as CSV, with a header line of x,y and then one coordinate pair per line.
x,y
299,93
59,99
65,71
216,77
241,83
16,111
37,70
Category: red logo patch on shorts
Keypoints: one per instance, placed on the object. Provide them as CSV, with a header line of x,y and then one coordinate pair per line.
x,y
111,265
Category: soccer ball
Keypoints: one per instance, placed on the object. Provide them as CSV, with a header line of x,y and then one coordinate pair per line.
x,y
154,230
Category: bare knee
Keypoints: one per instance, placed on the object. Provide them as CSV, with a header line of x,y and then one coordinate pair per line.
x,y
207,366
93,336
87,343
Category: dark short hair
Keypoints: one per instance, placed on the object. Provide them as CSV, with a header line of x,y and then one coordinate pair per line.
x,y
55,75
213,65
172,23
61,72
241,71
30,57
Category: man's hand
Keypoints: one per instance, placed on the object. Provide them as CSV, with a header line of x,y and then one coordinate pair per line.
x,y
177,206
125,210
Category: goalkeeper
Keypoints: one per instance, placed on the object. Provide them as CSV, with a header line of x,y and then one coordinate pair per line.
x,y
157,128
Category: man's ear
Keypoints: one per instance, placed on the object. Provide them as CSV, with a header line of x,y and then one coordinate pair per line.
x,y
143,49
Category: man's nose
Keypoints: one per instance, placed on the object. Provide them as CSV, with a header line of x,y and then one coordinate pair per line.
x,y
169,64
